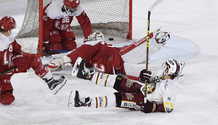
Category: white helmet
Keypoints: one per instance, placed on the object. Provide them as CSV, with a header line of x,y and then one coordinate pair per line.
x,y
172,67
97,35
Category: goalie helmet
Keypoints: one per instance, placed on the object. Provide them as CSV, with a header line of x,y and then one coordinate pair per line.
x,y
7,23
97,35
172,67
72,3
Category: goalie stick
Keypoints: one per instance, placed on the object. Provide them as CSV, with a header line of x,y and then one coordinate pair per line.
x,y
147,45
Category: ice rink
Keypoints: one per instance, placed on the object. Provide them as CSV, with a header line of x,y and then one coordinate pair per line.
x,y
193,25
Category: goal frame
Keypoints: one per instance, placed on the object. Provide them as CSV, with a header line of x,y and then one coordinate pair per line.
x,y
40,37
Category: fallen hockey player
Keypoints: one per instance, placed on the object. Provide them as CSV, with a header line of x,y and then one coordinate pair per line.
x,y
108,59
161,89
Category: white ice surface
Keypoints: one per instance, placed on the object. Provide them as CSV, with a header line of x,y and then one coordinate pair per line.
x,y
194,27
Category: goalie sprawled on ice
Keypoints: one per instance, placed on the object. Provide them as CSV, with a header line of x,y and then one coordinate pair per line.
x,y
108,59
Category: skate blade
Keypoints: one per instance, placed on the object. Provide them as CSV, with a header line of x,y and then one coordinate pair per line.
x,y
58,88
75,66
71,99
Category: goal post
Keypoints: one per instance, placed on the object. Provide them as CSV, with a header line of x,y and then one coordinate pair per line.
x,y
111,17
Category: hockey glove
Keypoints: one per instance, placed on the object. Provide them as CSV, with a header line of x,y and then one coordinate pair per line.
x,y
148,107
145,75
19,61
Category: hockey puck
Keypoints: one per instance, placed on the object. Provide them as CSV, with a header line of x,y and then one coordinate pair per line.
x,y
111,39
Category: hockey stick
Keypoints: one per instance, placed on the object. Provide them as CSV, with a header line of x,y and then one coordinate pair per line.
x,y
148,38
9,70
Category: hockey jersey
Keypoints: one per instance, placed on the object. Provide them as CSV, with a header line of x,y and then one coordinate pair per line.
x,y
163,93
101,56
7,49
54,17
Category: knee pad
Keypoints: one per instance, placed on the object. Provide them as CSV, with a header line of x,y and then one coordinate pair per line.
x,y
69,44
54,46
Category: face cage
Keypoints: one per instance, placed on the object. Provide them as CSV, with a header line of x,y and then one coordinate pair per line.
x,y
69,9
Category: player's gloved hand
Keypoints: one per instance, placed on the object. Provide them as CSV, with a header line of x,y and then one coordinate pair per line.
x,y
148,107
19,61
145,75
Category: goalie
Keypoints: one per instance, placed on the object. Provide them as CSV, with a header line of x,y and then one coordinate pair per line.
x,y
161,89
108,59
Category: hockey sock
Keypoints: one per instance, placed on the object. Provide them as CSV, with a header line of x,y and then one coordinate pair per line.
x,y
104,79
48,76
104,102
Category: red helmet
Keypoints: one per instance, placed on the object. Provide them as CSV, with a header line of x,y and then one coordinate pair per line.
x,y
72,3
7,23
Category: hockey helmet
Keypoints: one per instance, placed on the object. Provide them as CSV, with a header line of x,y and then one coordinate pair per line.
x,y
172,67
72,3
7,23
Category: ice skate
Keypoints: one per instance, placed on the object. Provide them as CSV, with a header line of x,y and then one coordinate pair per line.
x,y
56,84
76,101
79,70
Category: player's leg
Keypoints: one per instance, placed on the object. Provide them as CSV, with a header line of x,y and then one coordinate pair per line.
x,y
54,42
6,90
68,39
122,100
54,84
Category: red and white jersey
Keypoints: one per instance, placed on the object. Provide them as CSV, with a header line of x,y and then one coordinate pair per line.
x,y
7,49
54,18
101,56
164,93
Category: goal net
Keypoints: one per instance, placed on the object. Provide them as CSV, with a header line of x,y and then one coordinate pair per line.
x,y
112,17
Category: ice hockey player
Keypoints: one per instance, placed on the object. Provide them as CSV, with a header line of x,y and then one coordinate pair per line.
x,y
105,58
11,56
161,89
58,34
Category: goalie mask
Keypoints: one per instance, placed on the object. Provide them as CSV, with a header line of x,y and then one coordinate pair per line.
x,y
97,35
7,23
172,68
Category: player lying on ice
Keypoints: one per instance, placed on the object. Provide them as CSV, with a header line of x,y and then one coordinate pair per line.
x,y
108,59
11,56
161,89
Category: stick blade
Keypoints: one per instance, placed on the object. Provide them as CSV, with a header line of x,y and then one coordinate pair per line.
x,y
155,4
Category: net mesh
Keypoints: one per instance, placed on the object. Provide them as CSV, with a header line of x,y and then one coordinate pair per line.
x,y
108,16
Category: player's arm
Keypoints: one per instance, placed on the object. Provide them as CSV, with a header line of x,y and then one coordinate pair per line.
x,y
85,24
18,58
168,96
